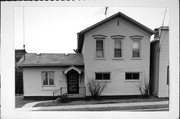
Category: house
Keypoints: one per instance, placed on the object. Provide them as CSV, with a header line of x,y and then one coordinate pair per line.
x,y
159,73
115,51
19,53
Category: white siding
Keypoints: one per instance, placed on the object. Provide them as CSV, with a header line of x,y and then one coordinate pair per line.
x,y
117,85
163,63
33,82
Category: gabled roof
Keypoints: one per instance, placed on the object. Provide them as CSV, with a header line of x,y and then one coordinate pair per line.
x,y
45,59
119,14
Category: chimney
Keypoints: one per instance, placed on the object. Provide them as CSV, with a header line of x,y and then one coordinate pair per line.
x,y
156,33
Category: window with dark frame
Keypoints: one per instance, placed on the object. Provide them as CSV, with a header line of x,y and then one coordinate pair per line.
x,y
99,49
132,76
48,78
136,48
117,48
102,76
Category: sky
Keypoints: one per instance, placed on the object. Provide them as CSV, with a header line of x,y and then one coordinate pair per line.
x,y
54,29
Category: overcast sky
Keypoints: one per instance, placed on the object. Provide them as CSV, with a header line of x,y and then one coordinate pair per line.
x,y
54,29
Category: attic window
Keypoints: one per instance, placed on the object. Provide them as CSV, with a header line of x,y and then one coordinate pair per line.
x,y
118,23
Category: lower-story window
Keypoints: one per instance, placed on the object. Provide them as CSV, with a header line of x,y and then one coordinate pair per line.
x,y
102,76
47,78
132,76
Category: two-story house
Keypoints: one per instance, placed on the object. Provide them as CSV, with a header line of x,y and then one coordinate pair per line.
x,y
115,50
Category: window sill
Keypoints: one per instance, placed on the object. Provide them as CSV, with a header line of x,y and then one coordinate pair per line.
x,y
138,80
103,80
48,88
116,58
136,58
100,58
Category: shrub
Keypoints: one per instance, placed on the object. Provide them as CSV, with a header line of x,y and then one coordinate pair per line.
x,y
144,89
63,99
95,88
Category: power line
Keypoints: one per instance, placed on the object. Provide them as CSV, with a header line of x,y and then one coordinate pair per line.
x,y
24,32
161,29
23,28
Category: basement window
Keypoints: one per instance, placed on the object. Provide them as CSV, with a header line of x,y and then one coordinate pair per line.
x,y
132,76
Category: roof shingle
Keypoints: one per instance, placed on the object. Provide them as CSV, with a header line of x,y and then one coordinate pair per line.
x,y
45,59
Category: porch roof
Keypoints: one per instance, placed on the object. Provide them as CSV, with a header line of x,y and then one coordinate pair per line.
x,y
51,59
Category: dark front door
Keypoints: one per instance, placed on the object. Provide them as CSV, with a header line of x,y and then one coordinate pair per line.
x,y
73,82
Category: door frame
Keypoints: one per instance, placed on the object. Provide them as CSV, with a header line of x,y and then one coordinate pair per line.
x,y
69,73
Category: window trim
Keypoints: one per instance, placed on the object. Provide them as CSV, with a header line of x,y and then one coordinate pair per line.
x,y
136,38
139,49
99,37
102,49
48,79
121,38
133,79
121,49
102,73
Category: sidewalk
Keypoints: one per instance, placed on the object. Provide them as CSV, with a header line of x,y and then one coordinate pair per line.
x,y
89,106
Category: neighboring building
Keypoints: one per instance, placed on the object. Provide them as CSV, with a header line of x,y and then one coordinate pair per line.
x,y
115,51
159,75
53,74
18,72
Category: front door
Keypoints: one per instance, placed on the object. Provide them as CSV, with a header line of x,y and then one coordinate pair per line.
x,y
72,82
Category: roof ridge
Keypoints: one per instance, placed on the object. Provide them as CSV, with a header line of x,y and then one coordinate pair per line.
x,y
53,53
118,14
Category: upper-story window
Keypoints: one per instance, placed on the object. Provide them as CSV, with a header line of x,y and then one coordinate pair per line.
x,y
117,45
117,48
99,49
47,78
136,46
99,45
136,49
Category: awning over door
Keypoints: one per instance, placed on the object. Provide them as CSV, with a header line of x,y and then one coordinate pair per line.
x,y
74,68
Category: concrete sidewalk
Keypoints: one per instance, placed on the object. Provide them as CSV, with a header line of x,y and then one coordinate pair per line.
x,y
30,105
89,106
